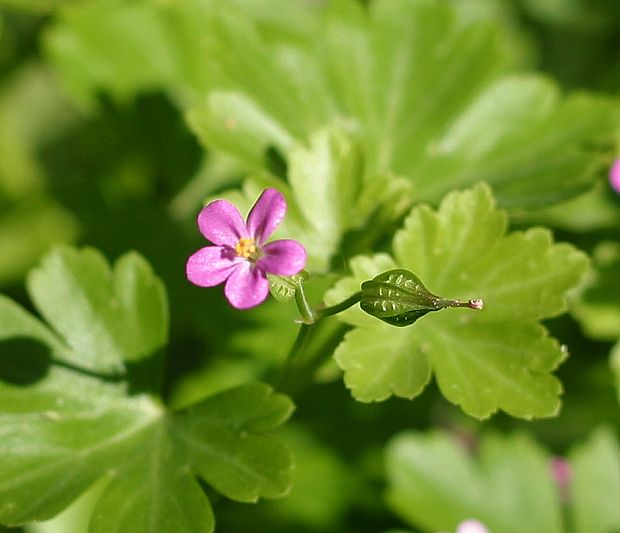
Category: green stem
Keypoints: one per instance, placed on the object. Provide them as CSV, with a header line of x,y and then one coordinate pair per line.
x,y
306,355
299,346
306,312
335,309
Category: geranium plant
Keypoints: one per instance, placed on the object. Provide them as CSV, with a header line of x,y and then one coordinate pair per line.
x,y
413,209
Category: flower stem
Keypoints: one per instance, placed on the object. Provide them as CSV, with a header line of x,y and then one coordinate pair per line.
x,y
299,346
309,351
315,343
335,309
306,312
472,303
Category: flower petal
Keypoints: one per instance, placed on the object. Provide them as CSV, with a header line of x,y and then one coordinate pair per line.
x,y
284,258
211,266
614,176
246,287
221,223
266,215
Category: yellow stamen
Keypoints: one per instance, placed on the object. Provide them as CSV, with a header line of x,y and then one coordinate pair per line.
x,y
246,248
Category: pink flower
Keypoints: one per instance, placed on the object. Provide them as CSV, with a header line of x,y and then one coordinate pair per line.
x,y
240,256
471,526
562,473
614,176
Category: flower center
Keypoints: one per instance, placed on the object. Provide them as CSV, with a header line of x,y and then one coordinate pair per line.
x,y
247,248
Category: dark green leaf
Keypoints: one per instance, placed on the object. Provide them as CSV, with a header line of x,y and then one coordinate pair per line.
x,y
63,428
399,298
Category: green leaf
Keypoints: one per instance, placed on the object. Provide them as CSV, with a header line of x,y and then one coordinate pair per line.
x,y
283,288
496,358
595,484
328,194
64,428
156,491
95,46
424,89
435,484
421,85
224,438
105,316
72,444
597,308
615,366
380,361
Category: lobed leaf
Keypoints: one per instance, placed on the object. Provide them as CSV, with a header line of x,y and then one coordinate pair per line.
x,y
496,358
63,427
156,492
224,438
596,464
421,85
435,484
327,195
105,316
379,362
49,458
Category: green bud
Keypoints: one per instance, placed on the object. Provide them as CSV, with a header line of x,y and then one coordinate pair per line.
x,y
399,298
283,288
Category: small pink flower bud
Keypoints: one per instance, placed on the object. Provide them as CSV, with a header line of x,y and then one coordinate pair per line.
x,y
614,176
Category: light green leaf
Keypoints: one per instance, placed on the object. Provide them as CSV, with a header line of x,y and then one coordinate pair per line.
x,y
96,46
483,360
435,484
462,249
105,316
483,364
362,268
595,486
234,123
148,455
424,89
281,79
224,440
380,361
421,85
326,179
327,194
509,135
